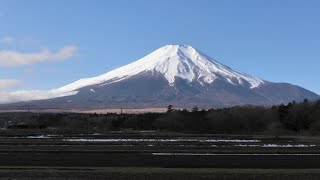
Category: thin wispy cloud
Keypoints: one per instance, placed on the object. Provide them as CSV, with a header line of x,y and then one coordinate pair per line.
x,y
28,71
14,58
18,96
7,40
20,42
9,83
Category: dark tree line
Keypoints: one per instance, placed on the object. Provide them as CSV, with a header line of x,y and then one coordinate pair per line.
x,y
293,118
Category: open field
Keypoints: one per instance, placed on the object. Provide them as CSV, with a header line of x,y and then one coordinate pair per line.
x,y
133,150
158,156
183,160
54,173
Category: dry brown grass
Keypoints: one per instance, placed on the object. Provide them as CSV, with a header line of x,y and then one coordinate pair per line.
x,y
99,111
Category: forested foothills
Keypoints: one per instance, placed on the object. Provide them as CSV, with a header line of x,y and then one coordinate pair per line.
x,y
292,118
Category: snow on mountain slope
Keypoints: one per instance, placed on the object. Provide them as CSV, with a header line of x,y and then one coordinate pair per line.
x,y
173,74
172,61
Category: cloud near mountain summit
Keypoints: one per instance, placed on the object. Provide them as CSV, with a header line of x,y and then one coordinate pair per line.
x,y
9,58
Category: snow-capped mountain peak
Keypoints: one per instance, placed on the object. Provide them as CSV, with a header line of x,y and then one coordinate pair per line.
x,y
172,61
174,74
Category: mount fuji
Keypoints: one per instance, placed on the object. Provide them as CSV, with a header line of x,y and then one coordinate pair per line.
x,y
174,74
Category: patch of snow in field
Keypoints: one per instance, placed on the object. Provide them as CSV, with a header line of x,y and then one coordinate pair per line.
x,y
147,131
233,140
276,145
38,137
163,140
288,145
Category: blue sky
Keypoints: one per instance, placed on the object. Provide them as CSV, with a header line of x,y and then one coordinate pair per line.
x,y
53,43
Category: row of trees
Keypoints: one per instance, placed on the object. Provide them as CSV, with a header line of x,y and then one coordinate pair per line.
x,y
291,118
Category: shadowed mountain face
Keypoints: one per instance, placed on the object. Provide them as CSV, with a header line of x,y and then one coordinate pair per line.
x,y
176,75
